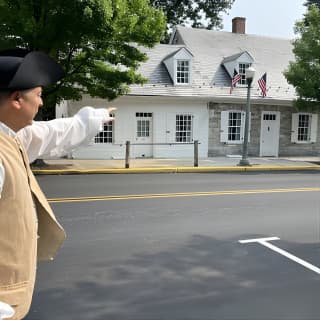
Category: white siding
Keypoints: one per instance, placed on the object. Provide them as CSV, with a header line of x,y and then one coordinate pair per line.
x,y
62,109
164,113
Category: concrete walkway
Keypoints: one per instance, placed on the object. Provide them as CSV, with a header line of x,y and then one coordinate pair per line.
x,y
214,164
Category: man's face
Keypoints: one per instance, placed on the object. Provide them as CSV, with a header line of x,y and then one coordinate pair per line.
x,y
30,102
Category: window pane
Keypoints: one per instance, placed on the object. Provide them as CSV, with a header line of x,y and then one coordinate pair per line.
x,y
242,72
304,127
184,128
143,128
106,135
234,127
183,71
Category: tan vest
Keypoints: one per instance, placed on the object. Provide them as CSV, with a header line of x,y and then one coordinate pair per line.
x,y
24,237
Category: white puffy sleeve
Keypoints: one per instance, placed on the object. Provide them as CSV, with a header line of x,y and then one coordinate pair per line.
x,y
6,311
2,176
58,137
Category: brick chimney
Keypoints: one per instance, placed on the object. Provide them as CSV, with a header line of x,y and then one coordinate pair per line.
x,y
239,25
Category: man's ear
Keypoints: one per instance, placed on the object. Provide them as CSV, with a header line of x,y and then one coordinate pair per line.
x,y
15,99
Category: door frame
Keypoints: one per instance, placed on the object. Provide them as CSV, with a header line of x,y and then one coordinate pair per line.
x,y
137,150
277,121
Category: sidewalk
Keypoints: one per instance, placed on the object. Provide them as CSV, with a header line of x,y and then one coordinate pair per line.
x,y
214,164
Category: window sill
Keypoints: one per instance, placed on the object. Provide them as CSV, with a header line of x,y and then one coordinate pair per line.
x,y
230,143
304,142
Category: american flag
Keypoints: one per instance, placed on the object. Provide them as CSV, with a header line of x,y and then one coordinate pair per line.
x,y
262,82
236,78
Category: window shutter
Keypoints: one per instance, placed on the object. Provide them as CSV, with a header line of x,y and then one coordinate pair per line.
x,y
314,127
294,127
224,126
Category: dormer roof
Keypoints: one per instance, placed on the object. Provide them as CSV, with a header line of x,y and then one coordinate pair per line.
x,y
231,63
236,56
180,50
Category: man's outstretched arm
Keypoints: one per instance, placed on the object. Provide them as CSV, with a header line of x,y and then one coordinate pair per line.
x,y
58,137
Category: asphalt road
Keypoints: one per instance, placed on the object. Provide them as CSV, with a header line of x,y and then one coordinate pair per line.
x,y
166,246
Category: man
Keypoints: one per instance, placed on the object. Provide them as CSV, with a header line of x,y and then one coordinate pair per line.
x,y
29,230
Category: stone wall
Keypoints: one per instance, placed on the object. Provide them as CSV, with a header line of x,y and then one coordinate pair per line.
x,y
286,147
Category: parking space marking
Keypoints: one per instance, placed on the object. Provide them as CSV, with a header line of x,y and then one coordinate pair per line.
x,y
265,242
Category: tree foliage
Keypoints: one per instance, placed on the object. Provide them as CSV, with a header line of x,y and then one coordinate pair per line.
x,y
95,41
308,3
196,13
304,72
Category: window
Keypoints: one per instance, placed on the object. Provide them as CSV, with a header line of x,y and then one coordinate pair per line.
x,y
144,114
234,126
304,127
242,72
143,124
183,128
183,70
143,128
106,135
179,66
269,117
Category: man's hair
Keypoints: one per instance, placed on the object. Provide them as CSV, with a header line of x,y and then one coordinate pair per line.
x,y
4,94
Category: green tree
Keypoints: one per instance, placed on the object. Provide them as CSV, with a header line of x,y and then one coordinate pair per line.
x,y
304,72
196,13
308,3
95,41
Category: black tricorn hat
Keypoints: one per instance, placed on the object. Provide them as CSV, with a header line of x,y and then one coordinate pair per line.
x,y
22,69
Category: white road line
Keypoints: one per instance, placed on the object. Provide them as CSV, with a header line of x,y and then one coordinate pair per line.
x,y
264,242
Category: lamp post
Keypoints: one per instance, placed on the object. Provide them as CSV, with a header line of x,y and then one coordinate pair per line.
x,y
244,161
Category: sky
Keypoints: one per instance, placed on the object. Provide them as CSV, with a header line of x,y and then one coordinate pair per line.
x,y
273,18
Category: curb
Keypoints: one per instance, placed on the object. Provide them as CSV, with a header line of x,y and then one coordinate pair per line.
x,y
175,170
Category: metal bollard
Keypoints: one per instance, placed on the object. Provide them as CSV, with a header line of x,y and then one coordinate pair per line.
x,y
196,153
127,154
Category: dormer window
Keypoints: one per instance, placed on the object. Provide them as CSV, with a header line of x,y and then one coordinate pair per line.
x,y
242,72
179,66
183,72
238,62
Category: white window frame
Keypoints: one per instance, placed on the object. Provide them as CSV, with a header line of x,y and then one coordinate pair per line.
x,y
243,66
184,131
312,128
180,74
225,127
106,135
143,124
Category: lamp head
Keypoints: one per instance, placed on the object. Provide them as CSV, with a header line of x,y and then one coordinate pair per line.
x,y
250,72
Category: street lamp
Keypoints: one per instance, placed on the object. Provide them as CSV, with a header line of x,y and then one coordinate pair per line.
x,y
249,76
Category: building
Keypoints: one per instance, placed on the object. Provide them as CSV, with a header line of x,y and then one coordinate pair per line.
x,y
188,98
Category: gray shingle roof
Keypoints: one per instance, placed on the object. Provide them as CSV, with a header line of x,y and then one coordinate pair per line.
x,y
154,69
233,57
209,78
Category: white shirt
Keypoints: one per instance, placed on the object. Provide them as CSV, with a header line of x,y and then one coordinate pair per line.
x,y
54,138
50,139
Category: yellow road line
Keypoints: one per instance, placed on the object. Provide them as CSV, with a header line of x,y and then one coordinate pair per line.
x,y
181,194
